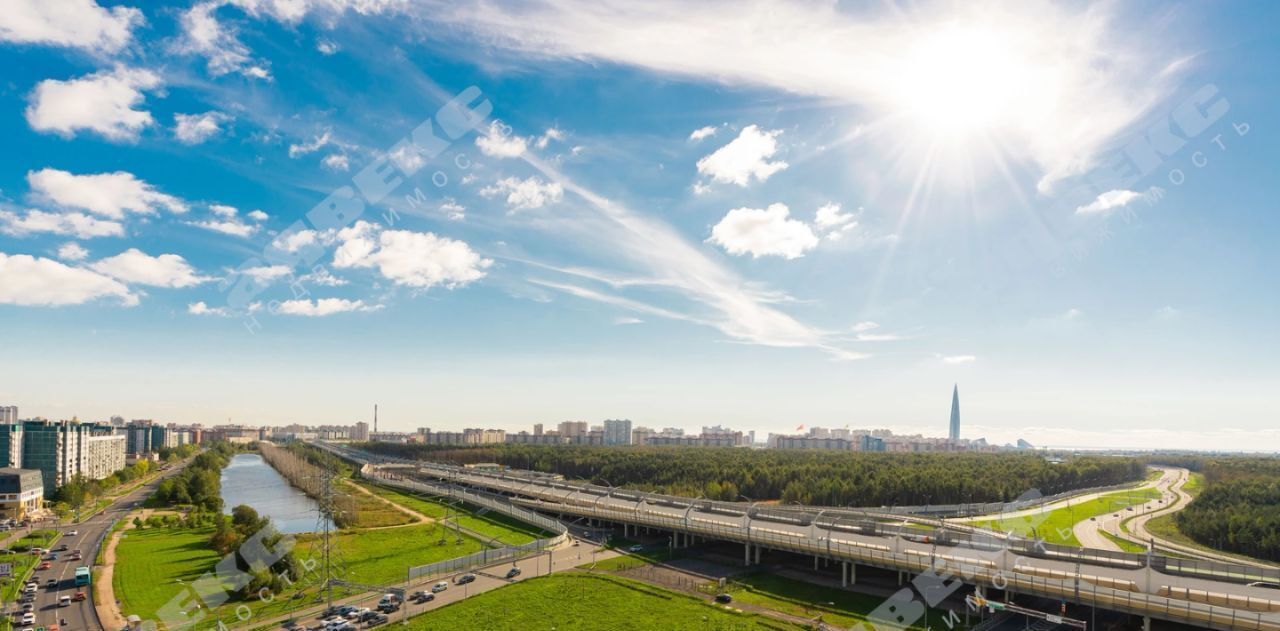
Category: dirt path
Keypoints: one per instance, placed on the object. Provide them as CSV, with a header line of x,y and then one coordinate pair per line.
x,y
419,518
104,593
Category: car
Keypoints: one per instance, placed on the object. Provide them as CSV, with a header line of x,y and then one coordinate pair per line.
x,y
576,543
417,595
379,619
79,596
724,598
356,613
1130,508
636,548
513,572
439,587
1093,519
63,548
44,565
73,533
28,618
51,583
65,601
333,622
425,598
464,579
28,608
1265,585
367,615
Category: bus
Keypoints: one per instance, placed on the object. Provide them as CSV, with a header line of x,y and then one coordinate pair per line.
x,y
82,575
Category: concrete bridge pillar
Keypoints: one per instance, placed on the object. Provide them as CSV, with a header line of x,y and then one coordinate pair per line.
x,y
815,563
1146,623
758,550
853,573
844,573
746,559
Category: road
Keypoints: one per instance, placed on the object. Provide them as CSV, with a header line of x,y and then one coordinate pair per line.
x,y
81,616
1070,501
1089,531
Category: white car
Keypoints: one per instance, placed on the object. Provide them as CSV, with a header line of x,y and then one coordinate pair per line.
x,y
28,618
439,587
74,533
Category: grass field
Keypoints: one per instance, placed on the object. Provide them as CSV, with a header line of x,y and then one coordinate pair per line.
x,y
1194,484
152,565
1125,544
839,607
36,538
1055,526
490,524
371,512
576,602
383,556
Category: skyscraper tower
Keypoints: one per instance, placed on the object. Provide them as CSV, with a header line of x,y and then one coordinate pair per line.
x,y
955,413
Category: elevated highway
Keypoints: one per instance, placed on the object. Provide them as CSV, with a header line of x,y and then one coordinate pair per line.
x,y
937,563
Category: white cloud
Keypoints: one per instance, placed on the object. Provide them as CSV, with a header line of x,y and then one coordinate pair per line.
x,y
223,210
72,224
107,194
958,359
258,215
623,320
863,327
72,251
499,142
102,103
301,149
453,209
233,227
200,308
323,307
409,159
763,232
266,273
532,192
337,162
322,277
829,216
32,281
744,157
296,241
1046,61
551,134
703,132
412,259
193,129
79,24
204,35
326,47
137,267
1115,199
1168,312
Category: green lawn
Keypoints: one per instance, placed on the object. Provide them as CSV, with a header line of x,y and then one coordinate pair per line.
x,y
152,566
36,538
1055,526
384,555
839,607
579,602
1125,544
1194,484
490,524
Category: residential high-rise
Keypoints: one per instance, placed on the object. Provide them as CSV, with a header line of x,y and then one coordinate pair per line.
x,y
361,432
573,429
62,450
8,414
617,432
955,413
11,445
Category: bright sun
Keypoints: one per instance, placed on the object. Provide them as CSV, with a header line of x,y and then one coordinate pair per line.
x,y
959,80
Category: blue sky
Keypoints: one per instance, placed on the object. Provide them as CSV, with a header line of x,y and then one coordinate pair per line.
x,y
760,217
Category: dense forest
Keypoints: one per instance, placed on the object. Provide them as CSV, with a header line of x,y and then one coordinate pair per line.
x,y
830,478
1239,508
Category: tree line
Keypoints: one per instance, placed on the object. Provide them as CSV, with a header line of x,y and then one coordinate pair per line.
x,y
828,478
1239,508
200,483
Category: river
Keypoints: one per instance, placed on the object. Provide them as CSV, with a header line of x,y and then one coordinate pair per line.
x,y
250,480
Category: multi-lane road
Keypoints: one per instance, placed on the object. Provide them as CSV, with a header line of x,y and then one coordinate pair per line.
x,y
1089,531
81,616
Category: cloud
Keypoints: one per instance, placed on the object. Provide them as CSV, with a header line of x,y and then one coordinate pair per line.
x,y
137,267
322,277
326,47
829,217
703,132
763,232
102,103
200,308
223,210
337,162
1168,312
110,195
499,142
863,327
958,359
193,129
258,215
296,241
204,35
453,209
552,134
745,157
79,24
1114,199
413,259
623,320
31,281
233,227
323,307
266,273
528,193
1065,58
72,224
72,251
302,149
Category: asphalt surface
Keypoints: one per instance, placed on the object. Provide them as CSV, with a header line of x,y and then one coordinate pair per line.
x,y
81,616
1089,531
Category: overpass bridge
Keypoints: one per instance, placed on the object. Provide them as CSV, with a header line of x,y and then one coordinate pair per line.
x,y
936,563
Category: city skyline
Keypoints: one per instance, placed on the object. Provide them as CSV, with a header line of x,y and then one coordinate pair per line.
x,y
865,206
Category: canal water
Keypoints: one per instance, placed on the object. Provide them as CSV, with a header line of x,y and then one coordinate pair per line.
x,y
250,480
